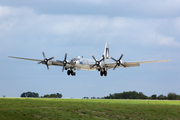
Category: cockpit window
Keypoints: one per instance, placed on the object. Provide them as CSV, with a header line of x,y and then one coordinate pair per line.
x,y
73,61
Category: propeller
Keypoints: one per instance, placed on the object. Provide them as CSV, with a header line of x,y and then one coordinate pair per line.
x,y
45,61
64,62
118,62
97,62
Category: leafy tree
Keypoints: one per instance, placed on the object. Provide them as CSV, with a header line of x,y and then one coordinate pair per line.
x,y
57,95
46,96
53,95
93,97
172,96
86,98
142,96
29,94
178,97
161,97
107,97
154,96
127,95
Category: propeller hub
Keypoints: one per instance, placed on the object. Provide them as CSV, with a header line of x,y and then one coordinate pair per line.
x,y
118,62
46,60
64,62
97,63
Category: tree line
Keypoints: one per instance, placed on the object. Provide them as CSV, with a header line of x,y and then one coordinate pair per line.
x,y
123,95
138,95
33,94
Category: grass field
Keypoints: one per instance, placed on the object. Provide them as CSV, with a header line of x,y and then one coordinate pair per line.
x,y
84,109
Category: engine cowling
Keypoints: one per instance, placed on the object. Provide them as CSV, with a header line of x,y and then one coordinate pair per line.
x,y
49,63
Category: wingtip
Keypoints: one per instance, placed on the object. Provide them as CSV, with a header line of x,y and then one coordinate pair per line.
x,y
168,60
10,56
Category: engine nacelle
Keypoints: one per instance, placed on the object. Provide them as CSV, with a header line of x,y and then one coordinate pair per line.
x,y
49,63
122,62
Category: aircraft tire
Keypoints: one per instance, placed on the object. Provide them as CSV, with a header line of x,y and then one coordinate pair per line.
x,y
101,73
73,73
68,72
105,73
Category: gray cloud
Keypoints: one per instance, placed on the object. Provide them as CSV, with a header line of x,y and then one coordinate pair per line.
x,y
111,8
23,25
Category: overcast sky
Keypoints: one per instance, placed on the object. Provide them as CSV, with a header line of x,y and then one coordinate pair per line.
x,y
142,30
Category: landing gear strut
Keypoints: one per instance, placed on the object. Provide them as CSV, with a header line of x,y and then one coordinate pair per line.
x,y
103,73
71,72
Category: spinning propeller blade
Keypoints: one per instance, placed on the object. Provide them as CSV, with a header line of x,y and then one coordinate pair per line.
x,y
97,62
118,62
64,62
45,61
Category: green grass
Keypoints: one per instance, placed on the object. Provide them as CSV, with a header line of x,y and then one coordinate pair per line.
x,y
84,109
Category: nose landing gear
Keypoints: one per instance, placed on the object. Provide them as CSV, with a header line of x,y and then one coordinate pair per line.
x,y
103,73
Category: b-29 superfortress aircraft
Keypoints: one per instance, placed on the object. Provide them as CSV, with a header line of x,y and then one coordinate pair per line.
x,y
80,63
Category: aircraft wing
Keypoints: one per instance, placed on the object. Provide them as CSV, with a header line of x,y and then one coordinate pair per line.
x,y
59,63
56,62
132,64
25,58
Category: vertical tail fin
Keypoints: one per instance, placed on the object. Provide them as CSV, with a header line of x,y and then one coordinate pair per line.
x,y
106,51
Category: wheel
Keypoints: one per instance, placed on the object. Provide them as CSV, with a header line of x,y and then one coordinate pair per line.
x,y
105,73
68,72
101,73
74,74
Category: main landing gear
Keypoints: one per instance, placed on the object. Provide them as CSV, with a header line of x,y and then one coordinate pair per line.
x,y
103,73
70,72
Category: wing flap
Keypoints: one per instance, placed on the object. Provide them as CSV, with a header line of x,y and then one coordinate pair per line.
x,y
153,61
133,64
58,63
